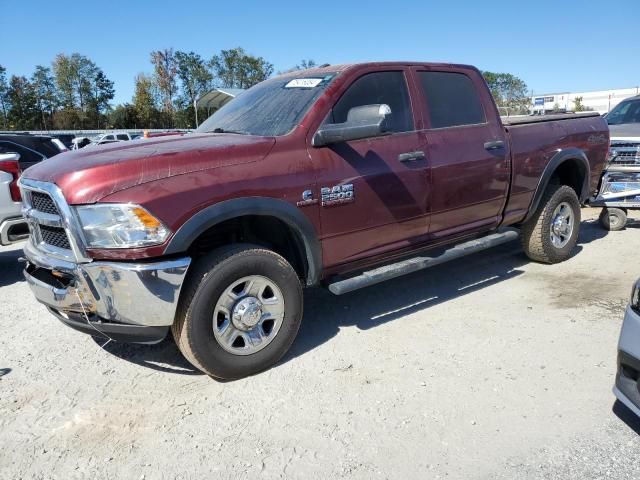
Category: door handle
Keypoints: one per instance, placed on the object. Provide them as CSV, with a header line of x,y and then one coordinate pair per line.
x,y
411,156
494,145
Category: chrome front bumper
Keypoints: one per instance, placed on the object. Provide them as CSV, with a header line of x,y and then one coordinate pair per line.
x,y
103,294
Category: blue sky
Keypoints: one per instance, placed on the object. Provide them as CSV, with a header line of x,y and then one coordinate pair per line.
x,y
561,45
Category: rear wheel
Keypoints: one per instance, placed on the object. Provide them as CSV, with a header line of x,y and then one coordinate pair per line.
x,y
613,219
551,234
240,311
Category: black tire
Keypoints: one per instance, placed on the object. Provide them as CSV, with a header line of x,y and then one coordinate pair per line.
x,y
536,232
210,276
613,219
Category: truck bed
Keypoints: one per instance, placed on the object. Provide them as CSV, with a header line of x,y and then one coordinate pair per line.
x,y
526,119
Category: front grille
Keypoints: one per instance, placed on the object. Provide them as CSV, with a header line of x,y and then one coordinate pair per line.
x,y
625,154
54,236
43,203
625,144
51,231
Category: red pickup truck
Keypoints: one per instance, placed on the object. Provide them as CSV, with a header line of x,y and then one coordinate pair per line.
x,y
341,176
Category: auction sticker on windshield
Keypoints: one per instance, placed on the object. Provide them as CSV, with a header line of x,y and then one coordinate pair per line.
x,y
303,83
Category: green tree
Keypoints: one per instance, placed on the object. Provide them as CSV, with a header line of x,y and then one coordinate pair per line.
x,y
64,73
165,72
23,111
123,116
83,91
236,69
144,102
578,106
46,94
509,91
4,99
102,93
195,79
84,74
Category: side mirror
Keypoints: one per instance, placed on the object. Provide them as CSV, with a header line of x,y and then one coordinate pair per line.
x,y
9,157
362,122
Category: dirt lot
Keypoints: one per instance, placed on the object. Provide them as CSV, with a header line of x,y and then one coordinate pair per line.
x,y
488,367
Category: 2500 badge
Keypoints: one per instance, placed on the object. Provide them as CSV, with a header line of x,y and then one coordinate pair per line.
x,y
337,195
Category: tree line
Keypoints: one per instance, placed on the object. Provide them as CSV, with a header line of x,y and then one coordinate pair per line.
x,y
74,92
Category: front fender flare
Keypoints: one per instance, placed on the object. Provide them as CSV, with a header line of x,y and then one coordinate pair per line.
x,y
261,206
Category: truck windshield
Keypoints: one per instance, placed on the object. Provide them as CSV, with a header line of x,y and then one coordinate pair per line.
x,y
271,108
625,112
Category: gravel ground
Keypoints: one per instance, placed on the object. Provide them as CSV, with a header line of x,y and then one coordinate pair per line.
x,y
488,367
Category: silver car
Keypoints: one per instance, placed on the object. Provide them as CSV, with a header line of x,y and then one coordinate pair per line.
x,y
627,387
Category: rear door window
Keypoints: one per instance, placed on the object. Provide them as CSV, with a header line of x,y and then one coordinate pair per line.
x,y
389,88
452,99
122,136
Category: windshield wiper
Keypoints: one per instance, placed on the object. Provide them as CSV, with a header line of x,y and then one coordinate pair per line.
x,y
224,130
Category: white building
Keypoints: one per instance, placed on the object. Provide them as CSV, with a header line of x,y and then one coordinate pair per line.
x,y
600,101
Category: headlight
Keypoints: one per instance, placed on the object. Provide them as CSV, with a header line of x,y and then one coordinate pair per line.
x,y
635,296
112,225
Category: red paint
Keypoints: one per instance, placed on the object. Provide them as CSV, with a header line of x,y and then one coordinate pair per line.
x,y
460,189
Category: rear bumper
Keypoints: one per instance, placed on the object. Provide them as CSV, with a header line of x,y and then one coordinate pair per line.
x,y
627,387
131,302
13,230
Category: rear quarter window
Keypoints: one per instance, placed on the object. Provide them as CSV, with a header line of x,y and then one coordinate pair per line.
x,y
452,99
46,147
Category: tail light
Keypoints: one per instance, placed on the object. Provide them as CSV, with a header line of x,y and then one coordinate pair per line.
x,y
13,168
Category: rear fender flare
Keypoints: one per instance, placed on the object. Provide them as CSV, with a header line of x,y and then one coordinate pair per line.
x,y
261,206
569,154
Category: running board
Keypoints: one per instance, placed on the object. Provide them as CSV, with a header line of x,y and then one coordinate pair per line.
x,y
414,264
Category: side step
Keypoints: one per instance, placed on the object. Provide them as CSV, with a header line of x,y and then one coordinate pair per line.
x,y
414,264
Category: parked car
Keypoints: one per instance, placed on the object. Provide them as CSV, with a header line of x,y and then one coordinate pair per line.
x,y
32,148
620,187
18,152
624,125
111,138
65,138
624,119
80,142
342,177
13,226
627,386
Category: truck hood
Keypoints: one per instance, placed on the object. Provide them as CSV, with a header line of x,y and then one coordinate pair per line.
x,y
625,130
92,173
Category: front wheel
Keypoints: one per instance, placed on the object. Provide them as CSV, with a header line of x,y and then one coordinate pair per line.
x,y
613,219
551,234
239,312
